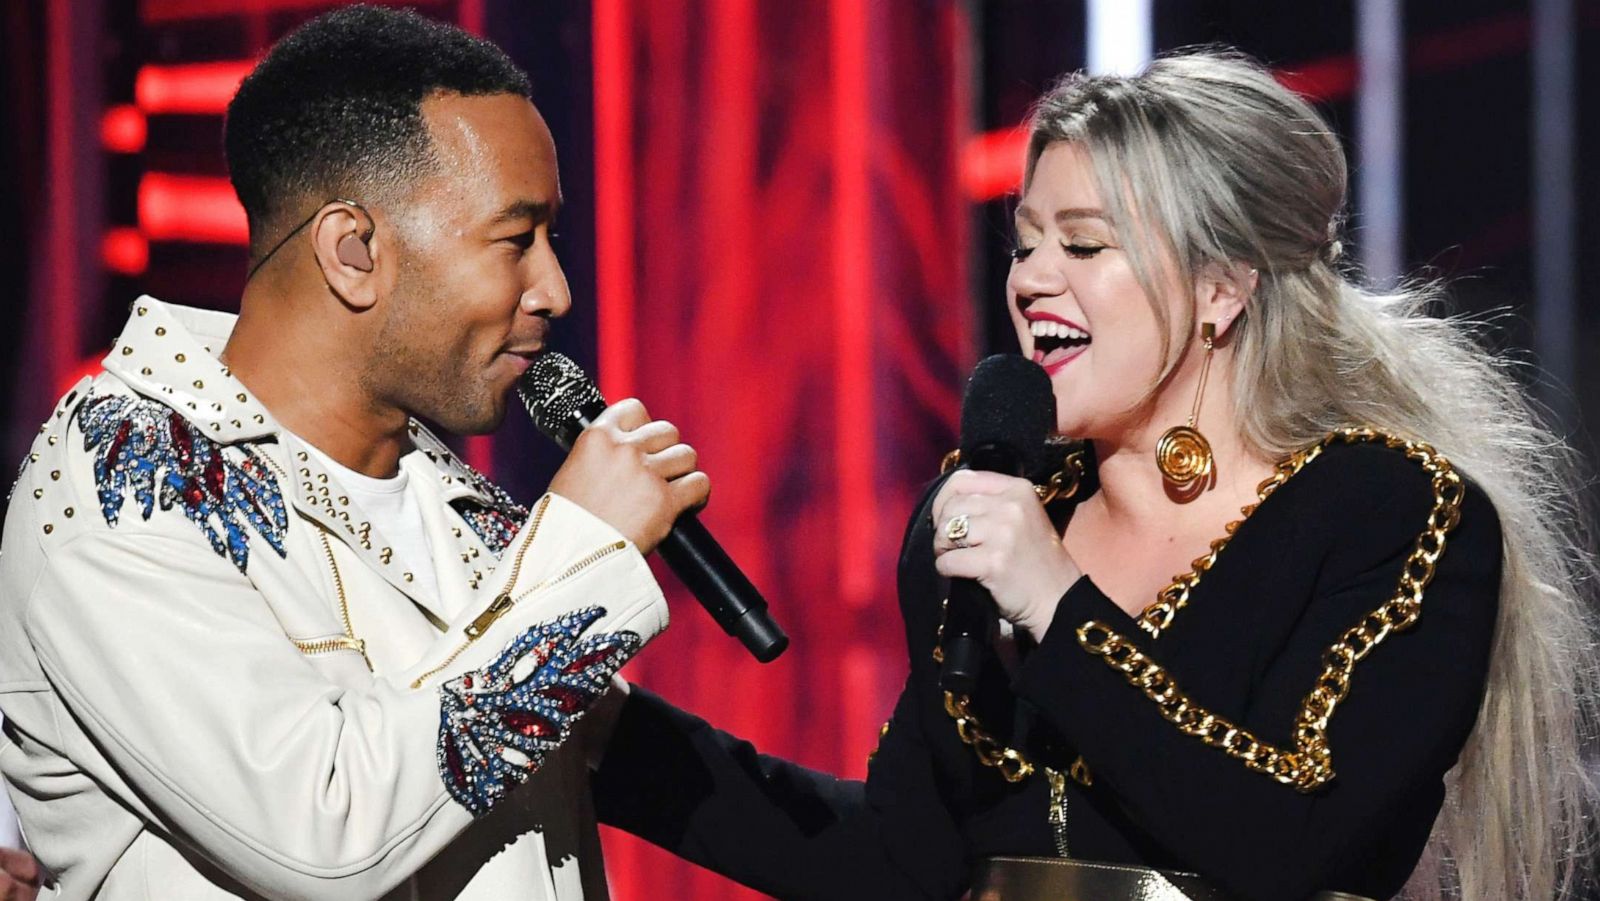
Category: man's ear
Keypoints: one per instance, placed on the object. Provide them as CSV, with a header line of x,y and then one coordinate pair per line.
x,y
342,236
1221,294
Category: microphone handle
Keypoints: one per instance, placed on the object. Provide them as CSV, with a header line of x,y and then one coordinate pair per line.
x,y
721,587
703,567
970,620
970,627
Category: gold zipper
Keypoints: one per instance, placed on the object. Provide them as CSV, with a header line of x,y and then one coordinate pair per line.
x,y
348,641
504,601
1058,810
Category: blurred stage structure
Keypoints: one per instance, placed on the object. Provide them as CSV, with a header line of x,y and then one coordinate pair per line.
x,y
785,229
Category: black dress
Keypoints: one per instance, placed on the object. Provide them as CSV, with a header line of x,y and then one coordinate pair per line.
x,y
1317,555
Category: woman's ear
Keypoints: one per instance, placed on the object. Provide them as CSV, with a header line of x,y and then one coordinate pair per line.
x,y
1221,294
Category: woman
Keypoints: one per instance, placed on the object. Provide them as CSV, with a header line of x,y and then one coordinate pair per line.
x,y
1377,680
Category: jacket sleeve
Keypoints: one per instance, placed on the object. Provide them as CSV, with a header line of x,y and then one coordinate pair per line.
x,y
1411,705
201,716
775,826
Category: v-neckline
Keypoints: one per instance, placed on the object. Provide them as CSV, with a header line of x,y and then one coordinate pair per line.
x,y
1157,616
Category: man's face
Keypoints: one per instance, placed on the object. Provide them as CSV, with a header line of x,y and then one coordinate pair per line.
x,y
478,280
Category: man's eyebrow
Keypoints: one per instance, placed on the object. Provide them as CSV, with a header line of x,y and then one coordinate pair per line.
x,y
536,211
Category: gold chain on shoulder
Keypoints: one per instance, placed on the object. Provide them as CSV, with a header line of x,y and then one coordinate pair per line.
x,y
1309,765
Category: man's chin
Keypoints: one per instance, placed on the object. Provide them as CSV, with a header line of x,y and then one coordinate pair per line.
x,y
463,422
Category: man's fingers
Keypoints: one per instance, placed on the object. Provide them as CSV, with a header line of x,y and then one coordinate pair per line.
x,y
677,460
691,491
20,866
654,436
627,414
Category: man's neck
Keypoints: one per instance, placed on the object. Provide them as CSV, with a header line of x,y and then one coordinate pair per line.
x,y
312,386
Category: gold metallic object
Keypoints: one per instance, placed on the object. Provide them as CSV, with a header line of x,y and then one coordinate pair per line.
x,y
348,641
1061,486
1309,765
1183,454
1013,766
504,601
1175,596
1048,879
957,529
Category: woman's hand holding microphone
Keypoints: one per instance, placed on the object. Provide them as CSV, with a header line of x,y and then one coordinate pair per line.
x,y
991,528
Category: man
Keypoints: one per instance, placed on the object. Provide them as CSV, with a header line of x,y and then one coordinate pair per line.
x,y
261,634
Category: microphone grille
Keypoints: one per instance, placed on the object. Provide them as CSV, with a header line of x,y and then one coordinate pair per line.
x,y
554,389
1009,402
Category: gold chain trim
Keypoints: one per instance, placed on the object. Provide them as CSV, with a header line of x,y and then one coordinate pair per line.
x,y
1012,765
1061,486
1159,615
1310,765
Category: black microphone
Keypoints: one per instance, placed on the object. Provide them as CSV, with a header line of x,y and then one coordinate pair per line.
x,y
563,402
1006,416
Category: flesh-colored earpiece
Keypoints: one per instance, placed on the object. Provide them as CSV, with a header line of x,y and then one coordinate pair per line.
x,y
353,252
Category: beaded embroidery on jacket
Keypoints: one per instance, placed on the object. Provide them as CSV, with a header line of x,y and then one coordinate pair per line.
x,y
148,449
497,724
495,521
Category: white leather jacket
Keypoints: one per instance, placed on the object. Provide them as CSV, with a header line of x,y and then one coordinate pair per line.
x,y
217,682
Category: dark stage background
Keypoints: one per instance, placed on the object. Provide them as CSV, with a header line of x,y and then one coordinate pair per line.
x,y
784,229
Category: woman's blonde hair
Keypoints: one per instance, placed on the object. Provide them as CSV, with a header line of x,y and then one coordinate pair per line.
x,y
1204,160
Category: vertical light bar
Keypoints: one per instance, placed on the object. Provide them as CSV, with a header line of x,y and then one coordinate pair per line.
x,y
1120,41
63,275
1555,219
1380,140
613,190
854,442
471,16
478,449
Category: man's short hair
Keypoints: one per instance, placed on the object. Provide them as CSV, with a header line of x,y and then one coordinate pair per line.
x,y
335,108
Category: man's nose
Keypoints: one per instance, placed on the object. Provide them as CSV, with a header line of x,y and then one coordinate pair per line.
x,y
547,293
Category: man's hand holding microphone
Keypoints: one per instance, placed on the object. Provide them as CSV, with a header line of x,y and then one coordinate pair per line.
x,y
634,473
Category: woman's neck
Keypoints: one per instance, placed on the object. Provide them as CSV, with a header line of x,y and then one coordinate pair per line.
x,y
1133,493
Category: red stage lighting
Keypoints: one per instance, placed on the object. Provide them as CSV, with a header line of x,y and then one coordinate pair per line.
x,y
192,88
125,251
190,208
159,11
123,129
991,163
90,367
1330,79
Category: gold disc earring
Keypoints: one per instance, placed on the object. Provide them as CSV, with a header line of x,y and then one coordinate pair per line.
x,y
1183,454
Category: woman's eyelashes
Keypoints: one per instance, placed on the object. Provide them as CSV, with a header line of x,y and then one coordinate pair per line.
x,y
1076,250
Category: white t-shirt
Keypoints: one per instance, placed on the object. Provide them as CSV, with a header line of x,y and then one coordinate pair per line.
x,y
394,507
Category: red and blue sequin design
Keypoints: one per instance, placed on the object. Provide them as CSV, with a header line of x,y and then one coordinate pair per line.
x,y
497,724
147,448
496,522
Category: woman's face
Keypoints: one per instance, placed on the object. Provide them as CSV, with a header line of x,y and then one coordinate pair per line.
x,y
1076,304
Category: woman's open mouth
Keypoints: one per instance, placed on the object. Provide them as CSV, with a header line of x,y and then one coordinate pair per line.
x,y
1056,343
